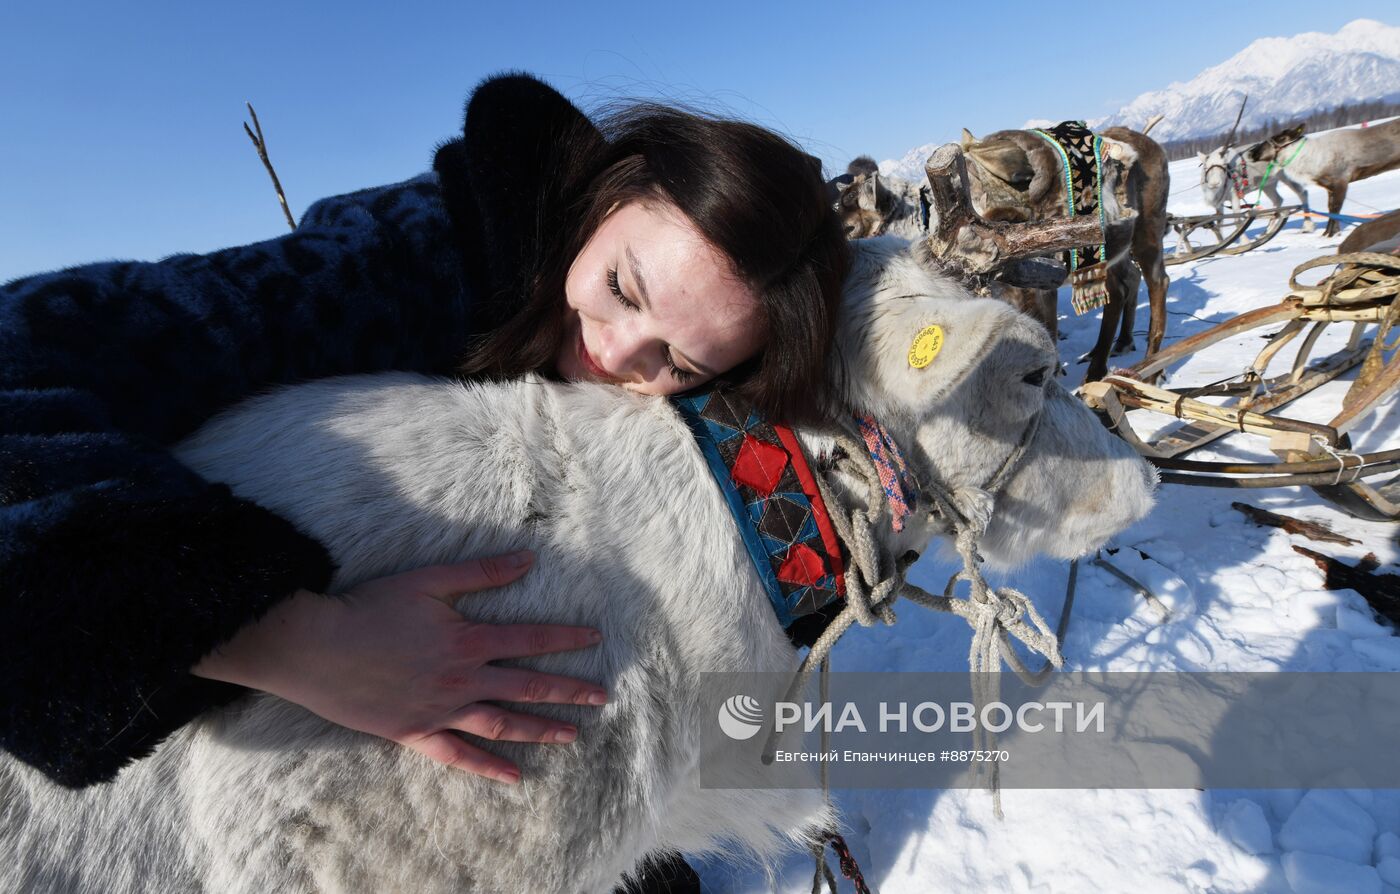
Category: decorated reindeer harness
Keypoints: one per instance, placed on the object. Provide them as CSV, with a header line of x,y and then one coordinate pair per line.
x,y
1081,159
778,504
821,564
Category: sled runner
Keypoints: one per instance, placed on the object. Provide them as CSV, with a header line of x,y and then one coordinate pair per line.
x,y
1361,291
1229,230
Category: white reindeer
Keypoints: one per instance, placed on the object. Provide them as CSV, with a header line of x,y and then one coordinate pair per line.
x,y
1230,176
397,471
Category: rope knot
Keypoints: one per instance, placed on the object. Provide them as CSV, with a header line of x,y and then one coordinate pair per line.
x,y
1010,606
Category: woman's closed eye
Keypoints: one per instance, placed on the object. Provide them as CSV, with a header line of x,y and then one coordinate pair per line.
x,y
617,291
680,375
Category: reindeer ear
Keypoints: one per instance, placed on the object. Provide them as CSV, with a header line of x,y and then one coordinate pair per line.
x,y
968,140
910,336
1201,157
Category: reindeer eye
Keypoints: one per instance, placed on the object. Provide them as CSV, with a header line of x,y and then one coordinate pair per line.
x,y
1035,378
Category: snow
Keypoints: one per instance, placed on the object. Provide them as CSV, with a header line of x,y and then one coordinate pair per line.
x,y
1331,823
1240,600
1247,828
1388,845
1389,870
1317,874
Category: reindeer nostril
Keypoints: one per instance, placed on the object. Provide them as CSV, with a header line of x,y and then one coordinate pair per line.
x,y
1035,377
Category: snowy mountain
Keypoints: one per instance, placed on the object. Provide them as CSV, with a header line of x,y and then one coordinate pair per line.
x,y
1283,76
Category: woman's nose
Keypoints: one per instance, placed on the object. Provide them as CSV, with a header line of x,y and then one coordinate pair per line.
x,y
624,352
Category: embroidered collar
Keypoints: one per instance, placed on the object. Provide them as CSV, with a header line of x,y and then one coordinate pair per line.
x,y
771,491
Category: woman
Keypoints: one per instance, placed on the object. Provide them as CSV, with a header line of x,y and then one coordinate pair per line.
x,y
654,251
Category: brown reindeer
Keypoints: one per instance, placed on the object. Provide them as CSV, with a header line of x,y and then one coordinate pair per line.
x,y
1381,231
1016,175
873,205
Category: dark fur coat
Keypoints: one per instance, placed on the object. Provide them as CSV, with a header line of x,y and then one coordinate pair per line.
x,y
120,568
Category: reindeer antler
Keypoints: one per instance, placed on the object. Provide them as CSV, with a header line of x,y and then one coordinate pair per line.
x,y
977,249
1230,140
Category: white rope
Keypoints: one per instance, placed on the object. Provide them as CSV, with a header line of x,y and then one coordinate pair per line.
x,y
873,583
1340,456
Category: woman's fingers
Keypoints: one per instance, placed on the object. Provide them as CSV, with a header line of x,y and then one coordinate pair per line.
x,y
448,748
495,641
508,684
447,582
500,725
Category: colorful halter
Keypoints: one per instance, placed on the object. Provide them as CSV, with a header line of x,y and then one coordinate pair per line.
x,y
895,477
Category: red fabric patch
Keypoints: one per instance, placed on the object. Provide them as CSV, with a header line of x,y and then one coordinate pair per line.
x,y
759,465
819,511
802,566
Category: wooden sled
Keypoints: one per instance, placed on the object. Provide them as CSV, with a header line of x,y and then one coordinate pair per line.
x,y
1229,230
1361,292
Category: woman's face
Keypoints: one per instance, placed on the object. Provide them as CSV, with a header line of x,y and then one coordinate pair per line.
x,y
653,307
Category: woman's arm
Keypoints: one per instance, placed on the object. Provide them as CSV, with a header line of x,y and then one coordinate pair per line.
x,y
393,658
119,567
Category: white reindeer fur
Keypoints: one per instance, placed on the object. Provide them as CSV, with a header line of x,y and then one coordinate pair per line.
x,y
1216,188
397,471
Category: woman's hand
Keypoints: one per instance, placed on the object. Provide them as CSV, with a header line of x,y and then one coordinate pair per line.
x,y
395,659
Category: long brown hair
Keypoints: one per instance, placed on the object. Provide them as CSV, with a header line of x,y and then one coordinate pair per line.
x,y
750,192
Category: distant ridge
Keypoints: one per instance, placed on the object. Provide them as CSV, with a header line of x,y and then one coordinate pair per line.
x,y
1284,77
1288,79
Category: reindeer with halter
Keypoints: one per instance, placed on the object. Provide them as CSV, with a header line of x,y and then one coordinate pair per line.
x,y
631,500
1229,175
1118,177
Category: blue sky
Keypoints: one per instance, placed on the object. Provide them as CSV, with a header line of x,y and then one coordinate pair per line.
x,y
122,131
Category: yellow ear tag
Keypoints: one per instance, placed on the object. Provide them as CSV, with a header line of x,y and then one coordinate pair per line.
x,y
926,346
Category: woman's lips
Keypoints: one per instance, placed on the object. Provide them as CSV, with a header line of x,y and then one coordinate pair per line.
x,y
590,364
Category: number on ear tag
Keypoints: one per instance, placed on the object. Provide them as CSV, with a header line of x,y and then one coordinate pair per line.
x,y
926,346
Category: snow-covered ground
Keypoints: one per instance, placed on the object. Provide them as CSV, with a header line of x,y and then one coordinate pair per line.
x,y
1258,606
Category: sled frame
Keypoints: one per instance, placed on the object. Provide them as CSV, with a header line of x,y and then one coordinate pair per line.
x,y
1229,230
1362,292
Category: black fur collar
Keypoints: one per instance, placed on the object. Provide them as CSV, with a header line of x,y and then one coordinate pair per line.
x,y
503,185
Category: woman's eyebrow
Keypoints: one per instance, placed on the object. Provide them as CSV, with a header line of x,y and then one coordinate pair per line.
x,y
642,298
645,301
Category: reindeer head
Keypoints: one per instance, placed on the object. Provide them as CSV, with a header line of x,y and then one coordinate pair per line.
x,y
1215,175
864,205
1005,183
1272,148
1015,176
959,416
